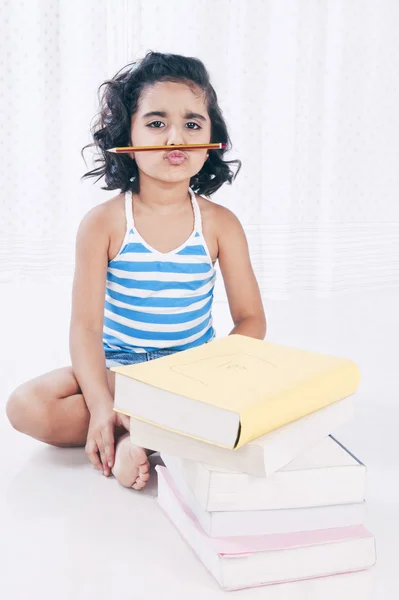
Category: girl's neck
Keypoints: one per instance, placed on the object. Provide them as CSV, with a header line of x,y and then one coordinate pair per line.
x,y
162,197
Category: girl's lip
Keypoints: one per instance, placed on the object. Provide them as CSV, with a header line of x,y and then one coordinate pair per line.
x,y
176,153
176,159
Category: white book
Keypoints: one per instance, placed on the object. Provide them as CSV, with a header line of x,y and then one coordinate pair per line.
x,y
325,474
263,522
242,562
260,457
232,390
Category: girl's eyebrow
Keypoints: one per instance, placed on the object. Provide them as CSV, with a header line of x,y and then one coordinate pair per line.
x,y
188,115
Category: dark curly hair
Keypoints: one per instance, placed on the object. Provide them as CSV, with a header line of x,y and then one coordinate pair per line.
x,y
119,101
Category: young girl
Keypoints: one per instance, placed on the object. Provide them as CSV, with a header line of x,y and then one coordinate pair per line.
x,y
150,251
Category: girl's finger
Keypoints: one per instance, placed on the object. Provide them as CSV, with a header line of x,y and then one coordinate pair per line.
x,y
91,450
109,444
101,449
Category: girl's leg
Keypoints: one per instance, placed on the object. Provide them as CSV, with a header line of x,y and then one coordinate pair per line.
x,y
51,408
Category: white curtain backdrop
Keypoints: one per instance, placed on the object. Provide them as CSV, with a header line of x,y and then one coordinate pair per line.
x,y
310,91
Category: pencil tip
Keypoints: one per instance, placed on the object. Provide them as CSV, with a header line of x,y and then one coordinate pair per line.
x,y
111,149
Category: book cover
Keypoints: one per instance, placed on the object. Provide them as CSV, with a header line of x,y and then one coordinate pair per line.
x,y
322,475
233,523
252,386
246,561
260,457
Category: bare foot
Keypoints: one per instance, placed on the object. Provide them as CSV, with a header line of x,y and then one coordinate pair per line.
x,y
131,468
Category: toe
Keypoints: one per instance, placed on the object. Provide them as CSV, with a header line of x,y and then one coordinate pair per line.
x,y
138,485
145,467
141,480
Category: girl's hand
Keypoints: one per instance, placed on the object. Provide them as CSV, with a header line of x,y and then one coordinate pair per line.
x,y
100,438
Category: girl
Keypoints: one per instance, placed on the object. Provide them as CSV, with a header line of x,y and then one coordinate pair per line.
x,y
150,251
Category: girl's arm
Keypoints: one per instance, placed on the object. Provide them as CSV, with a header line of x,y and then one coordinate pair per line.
x,y
86,347
242,289
87,317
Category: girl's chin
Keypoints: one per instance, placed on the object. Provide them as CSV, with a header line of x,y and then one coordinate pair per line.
x,y
172,172
171,178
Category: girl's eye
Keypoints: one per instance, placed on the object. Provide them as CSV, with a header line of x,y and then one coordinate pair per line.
x,y
154,125
192,123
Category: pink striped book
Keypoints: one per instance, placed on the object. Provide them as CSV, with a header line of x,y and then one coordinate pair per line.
x,y
248,561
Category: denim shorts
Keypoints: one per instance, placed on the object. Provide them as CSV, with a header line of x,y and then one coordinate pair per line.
x,y
115,359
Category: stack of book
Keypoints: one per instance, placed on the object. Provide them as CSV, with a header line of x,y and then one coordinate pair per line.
x,y
253,479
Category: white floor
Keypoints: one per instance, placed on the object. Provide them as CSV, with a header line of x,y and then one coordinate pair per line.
x,y
68,533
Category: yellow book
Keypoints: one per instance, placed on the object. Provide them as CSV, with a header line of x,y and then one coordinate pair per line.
x,y
232,390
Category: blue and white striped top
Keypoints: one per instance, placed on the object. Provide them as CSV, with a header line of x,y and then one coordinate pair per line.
x,y
159,300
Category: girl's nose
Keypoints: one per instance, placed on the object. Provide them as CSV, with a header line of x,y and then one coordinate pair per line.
x,y
175,136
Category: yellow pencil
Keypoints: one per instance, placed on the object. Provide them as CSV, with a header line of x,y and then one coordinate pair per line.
x,y
124,149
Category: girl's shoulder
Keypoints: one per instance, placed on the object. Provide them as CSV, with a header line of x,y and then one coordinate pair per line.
x,y
214,215
217,222
104,214
112,207
105,221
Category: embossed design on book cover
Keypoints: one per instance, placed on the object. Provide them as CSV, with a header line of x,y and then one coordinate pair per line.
x,y
236,368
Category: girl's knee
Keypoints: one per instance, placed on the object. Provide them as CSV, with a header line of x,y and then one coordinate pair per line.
x,y
32,406
14,408
27,413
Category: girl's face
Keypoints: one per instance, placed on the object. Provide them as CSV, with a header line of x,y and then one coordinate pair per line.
x,y
178,116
